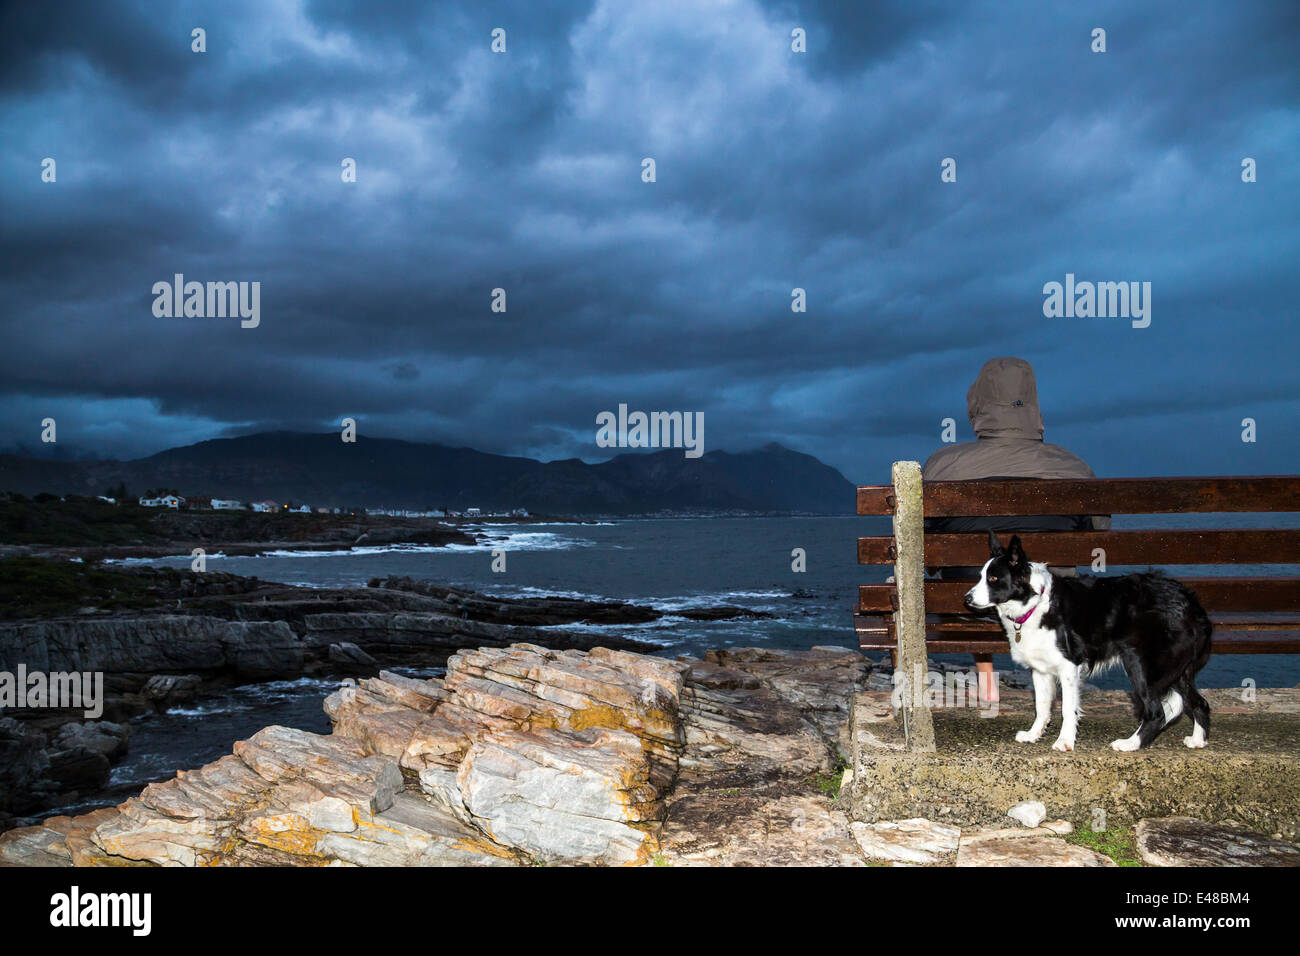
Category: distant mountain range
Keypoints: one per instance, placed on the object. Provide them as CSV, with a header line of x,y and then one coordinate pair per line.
x,y
322,471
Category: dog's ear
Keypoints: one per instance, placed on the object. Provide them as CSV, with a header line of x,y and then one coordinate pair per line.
x,y
1015,552
995,546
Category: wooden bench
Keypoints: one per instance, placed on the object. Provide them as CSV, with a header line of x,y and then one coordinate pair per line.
x,y
1251,614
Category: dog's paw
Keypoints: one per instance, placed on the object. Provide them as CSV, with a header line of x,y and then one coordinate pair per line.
x,y
1196,743
1028,736
1125,744
1063,744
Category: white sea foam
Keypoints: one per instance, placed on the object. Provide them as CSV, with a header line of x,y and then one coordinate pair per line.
x,y
358,551
540,524
679,602
132,562
208,710
524,541
530,591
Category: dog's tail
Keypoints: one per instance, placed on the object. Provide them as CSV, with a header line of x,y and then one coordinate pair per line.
x,y
1201,628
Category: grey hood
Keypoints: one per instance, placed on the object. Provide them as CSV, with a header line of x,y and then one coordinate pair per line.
x,y
1003,409
1003,402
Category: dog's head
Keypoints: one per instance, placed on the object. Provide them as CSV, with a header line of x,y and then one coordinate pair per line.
x,y
1005,577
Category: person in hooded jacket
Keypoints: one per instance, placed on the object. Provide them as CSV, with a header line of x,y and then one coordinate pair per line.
x,y
1003,408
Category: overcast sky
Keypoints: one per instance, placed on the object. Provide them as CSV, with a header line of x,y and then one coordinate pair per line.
x,y
775,169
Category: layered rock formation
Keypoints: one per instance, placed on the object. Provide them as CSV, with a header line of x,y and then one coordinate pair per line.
x,y
201,633
518,755
253,650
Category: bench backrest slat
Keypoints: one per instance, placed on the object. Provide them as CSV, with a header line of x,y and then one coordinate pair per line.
x,y
1095,496
1217,595
1192,546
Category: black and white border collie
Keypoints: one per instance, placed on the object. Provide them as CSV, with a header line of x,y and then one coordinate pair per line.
x,y
1064,628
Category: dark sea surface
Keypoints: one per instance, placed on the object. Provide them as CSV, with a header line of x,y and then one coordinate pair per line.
x,y
668,563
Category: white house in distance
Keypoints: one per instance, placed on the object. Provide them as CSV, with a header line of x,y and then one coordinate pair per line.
x,y
264,506
302,509
223,504
166,501
472,512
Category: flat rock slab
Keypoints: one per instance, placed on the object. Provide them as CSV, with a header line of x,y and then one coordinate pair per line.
x,y
1182,841
1024,848
757,828
819,682
908,841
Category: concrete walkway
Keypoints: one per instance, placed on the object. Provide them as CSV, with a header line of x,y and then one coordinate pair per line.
x,y
1248,775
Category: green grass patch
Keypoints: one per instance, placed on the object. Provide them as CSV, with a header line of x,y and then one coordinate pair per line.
x,y
1120,844
828,783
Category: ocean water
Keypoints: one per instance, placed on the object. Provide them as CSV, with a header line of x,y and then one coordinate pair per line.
x,y
671,563
668,563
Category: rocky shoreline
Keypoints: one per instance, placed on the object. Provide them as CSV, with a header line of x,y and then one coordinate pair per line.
x,y
197,635
520,755
526,755
92,530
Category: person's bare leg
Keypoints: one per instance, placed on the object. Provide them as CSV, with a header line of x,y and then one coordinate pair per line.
x,y
987,680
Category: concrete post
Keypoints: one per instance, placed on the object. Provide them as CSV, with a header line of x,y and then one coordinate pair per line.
x,y
909,620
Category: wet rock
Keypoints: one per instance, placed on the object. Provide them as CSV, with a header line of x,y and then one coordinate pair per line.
x,y
722,612
1182,841
404,634
350,658
100,736
551,611
78,769
908,841
169,690
23,765
36,771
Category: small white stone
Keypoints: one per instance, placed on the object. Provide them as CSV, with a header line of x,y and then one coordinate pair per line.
x,y
1029,813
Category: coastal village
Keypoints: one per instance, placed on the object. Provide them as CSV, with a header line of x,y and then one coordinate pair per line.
x,y
153,499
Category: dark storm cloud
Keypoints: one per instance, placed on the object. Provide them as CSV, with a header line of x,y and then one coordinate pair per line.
x,y
775,170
